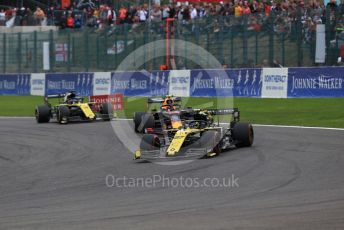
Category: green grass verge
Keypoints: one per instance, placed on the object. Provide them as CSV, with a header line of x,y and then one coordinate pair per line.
x,y
324,112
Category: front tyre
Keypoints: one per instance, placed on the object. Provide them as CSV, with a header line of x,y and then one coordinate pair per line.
x,y
106,111
42,114
149,142
137,118
63,114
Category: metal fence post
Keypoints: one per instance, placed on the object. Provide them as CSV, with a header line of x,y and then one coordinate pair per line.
x,y
256,48
69,53
232,47
19,53
222,53
51,50
245,40
271,39
86,58
26,53
116,52
144,51
4,52
98,53
35,52
186,53
299,37
283,49
105,58
208,48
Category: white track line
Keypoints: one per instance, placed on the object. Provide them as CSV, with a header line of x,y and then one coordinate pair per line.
x,y
258,125
276,126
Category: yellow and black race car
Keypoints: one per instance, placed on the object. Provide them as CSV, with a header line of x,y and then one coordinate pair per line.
x,y
168,115
194,138
72,108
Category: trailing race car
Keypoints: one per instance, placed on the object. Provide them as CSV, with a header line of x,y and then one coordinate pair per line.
x,y
72,108
168,116
195,138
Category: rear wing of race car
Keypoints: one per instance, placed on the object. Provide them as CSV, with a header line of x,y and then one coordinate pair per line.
x,y
234,112
161,100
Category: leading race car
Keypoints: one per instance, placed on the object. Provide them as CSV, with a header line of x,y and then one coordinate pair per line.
x,y
194,138
168,116
72,108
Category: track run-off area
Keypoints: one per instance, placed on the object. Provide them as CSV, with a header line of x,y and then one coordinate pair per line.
x,y
80,176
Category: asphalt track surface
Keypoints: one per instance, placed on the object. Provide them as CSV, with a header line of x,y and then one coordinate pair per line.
x,y
53,177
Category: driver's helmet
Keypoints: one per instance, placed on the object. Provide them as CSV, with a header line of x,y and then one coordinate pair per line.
x,y
168,103
69,97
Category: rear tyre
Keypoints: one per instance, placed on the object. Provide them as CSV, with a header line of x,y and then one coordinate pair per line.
x,y
243,134
63,114
106,111
149,142
42,113
137,118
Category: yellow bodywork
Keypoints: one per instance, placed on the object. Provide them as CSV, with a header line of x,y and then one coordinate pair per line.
x,y
85,108
178,140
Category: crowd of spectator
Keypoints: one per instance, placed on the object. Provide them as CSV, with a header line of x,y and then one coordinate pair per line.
x,y
285,13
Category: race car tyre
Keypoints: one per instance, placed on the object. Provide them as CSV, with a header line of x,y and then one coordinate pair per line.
x,y
149,142
42,113
147,121
137,118
62,114
243,134
211,139
106,111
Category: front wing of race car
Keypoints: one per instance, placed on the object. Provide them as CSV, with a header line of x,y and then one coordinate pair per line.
x,y
160,155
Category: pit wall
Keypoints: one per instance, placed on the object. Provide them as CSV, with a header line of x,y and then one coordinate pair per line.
x,y
256,82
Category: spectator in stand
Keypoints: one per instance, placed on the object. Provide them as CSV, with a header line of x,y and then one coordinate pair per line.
x,y
2,17
78,21
142,13
39,16
122,15
70,21
238,9
165,12
246,9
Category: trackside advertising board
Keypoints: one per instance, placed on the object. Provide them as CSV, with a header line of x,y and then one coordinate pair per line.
x,y
116,100
226,83
140,83
102,83
210,83
37,84
179,83
246,82
59,83
316,82
255,82
15,84
275,82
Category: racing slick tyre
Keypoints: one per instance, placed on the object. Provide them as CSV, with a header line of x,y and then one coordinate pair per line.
x,y
149,142
243,134
147,121
106,111
42,113
211,139
62,114
137,118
